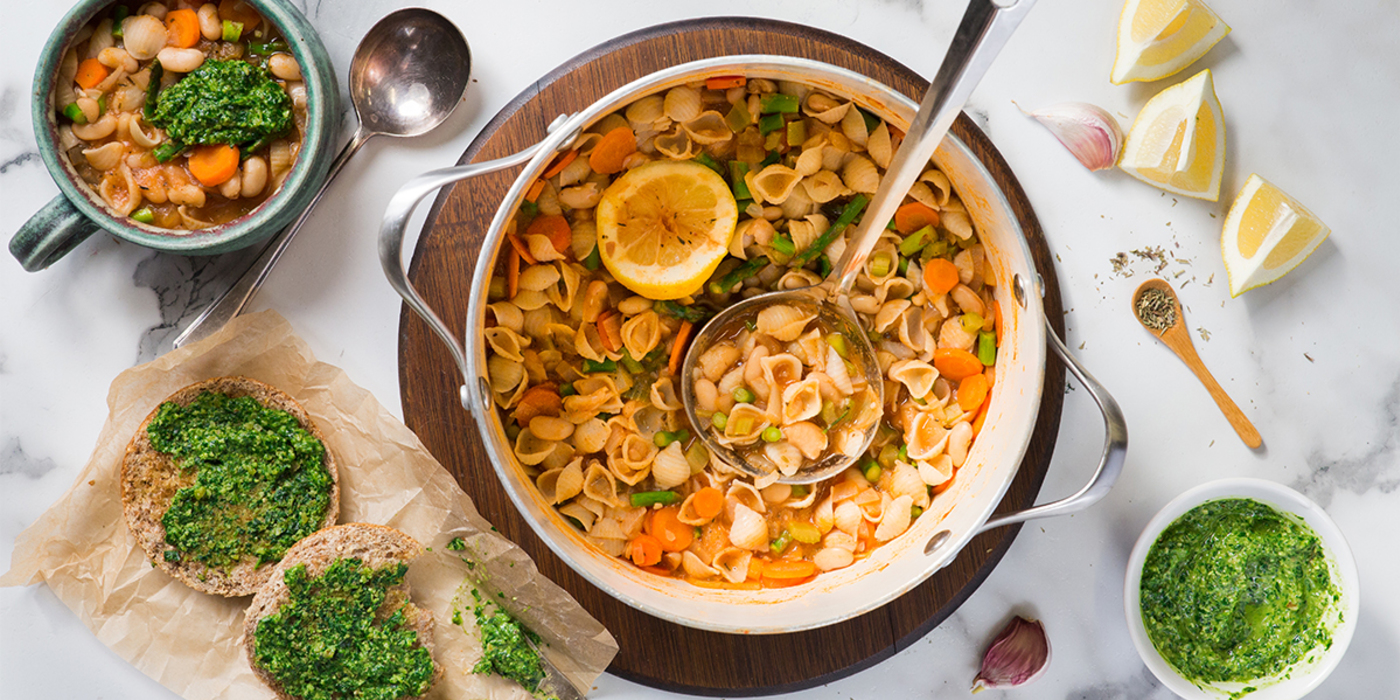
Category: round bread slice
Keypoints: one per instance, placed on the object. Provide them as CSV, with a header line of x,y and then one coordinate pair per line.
x,y
150,480
376,546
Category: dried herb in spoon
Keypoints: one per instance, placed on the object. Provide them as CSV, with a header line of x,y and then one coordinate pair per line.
x,y
1155,309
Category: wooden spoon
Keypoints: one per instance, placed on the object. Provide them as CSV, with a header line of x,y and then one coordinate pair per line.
x,y
1178,339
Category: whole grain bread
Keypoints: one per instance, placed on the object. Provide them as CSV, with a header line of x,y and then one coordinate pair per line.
x,y
150,479
375,546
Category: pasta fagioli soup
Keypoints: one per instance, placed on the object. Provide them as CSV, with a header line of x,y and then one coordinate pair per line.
x,y
180,115
585,371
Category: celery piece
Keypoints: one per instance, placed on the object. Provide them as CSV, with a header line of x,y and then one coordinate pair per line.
x,y
652,498
630,364
915,241
987,348
590,367
75,114
144,215
772,157
709,162
769,123
777,103
971,322
838,341
567,390
803,532
778,545
232,30
738,117
594,259
796,133
737,170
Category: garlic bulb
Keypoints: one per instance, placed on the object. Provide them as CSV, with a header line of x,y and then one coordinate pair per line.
x,y
1089,132
1018,655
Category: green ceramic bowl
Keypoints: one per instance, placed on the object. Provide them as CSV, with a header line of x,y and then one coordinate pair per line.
x,y
79,211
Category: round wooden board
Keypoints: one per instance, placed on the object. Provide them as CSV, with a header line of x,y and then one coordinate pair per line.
x,y
655,652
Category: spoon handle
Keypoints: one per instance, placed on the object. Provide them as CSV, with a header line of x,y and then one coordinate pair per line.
x,y
234,300
1180,343
985,29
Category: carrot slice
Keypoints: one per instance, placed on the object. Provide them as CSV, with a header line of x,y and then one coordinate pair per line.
x,y
770,582
913,216
559,164
538,400
181,28
610,330
241,12
678,349
972,392
996,319
611,153
667,528
725,82
512,273
644,550
213,164
656,570
521,248
555,228
788,569
533,193
90,73
940,276
709,502
981,418
956,364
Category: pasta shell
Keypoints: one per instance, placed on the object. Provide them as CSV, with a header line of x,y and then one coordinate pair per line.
x,y
773,184
695,567
805,232
824,186
663,395
915,375
708,128
551,428
801,400
957,222
797,205
937,470
749,530
896,519
538,278
742,493
585,517
853,126
784,323
926,437
682,104
631,461
847,517
879,146
608,529
809,161
676,145
560,485
599,484
860,175
889,313
906,481
611,547
641,334
530,449
785,456
911,330
506,343
670,468
143,36
529,299
823,516
733,563
748,232
688,515
591,435
939,185
745,423
644,112
951,334
824,109
541,247
807,438
106,156
120,191
833,558
872,504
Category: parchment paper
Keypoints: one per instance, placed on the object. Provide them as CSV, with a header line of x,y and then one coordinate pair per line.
x,y
191,642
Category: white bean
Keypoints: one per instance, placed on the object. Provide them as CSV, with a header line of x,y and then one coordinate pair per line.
x,y
91,110
180,60
254,176
967,299
631,306
959,440
209,24
231,187
155,9
284,66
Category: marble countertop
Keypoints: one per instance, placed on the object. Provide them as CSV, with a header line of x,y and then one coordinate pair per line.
x,y
1310,92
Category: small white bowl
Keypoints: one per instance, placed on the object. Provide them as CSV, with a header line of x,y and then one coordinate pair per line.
x,y
1303,676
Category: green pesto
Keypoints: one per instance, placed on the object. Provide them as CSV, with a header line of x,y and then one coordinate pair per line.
x,y
261,483
1235,590
330,640
229,102
505,649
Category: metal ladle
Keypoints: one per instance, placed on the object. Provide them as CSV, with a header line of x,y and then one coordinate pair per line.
x,y
408,74
984,30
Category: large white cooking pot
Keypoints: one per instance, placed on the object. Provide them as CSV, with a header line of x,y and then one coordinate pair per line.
x,y
955,517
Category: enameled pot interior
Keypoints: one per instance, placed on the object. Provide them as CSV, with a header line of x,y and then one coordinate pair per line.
x,y
893,568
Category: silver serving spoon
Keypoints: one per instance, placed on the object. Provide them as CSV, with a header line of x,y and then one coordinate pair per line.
x,y
408,74
984,30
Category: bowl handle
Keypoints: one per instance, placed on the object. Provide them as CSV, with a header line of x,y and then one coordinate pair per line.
x,y
1115,448
391,232
50,234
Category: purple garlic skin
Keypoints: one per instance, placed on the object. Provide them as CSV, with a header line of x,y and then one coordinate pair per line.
x,y
1091,134
1018,655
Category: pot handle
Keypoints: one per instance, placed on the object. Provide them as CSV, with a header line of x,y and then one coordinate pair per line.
x,y
50,234
391,232
1115,449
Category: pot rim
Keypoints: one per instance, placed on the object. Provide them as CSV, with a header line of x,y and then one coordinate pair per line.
x,y
312,161
571,547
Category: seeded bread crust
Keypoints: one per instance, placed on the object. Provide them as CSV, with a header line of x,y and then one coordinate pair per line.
x,y
374,545
150,479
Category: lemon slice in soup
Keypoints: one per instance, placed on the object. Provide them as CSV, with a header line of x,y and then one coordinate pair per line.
x,y
664,226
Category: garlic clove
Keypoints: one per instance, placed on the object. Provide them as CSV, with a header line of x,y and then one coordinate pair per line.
x,y
1018,655
1091,134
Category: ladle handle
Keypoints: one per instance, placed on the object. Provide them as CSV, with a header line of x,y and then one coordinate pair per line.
x,y
391,232
985,29
1115,448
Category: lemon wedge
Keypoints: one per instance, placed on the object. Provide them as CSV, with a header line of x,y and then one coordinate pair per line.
x,y
1267,234
664,226
1177,142
1160,38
